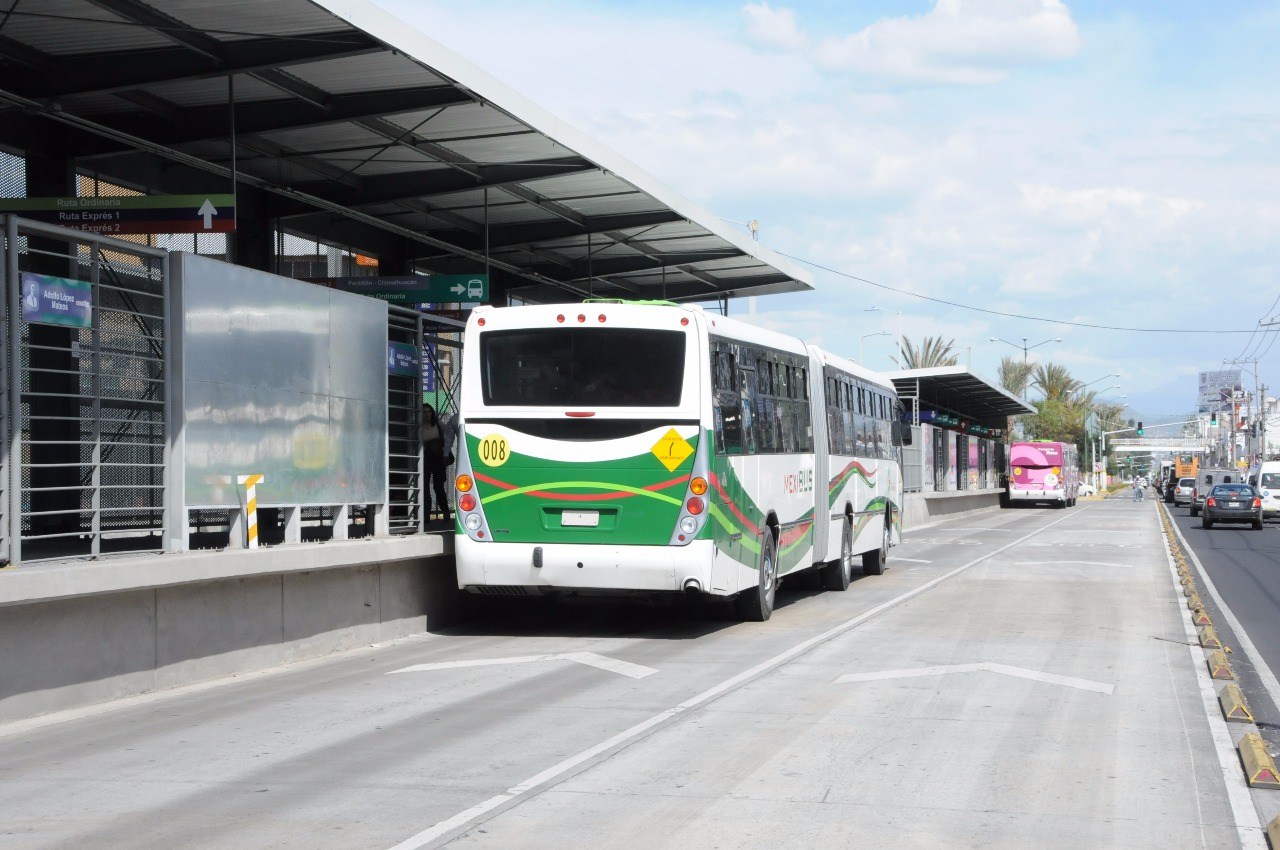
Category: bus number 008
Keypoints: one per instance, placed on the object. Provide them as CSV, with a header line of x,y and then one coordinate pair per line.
x,y
494,450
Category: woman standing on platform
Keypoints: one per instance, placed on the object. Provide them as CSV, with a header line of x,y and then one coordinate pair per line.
x,y
437,454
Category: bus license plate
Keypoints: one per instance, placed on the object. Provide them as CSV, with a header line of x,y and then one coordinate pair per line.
x,y
587,519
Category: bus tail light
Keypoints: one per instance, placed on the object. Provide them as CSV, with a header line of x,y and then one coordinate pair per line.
x,y
688,525
467,502
463,483
698,486
694,506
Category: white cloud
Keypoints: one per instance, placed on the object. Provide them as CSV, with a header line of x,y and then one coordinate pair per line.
x,y
966,42
770,27
1100,203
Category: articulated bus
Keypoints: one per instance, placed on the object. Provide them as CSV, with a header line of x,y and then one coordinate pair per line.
x,y
1044,472
649,447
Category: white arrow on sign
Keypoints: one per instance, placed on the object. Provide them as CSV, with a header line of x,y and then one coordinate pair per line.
x,y
457,287
208,210
985,666
613,665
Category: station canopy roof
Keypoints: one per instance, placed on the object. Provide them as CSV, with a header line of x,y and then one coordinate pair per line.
x,y
957,390
365,133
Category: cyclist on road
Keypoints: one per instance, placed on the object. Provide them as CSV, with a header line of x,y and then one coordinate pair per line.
x,y
1137,490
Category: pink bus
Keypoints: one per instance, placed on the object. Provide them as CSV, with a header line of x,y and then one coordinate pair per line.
x,y
1044,472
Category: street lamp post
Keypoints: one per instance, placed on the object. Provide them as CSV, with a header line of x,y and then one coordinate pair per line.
x,y
1103,378
1025,348
865,336
884,310
1097,449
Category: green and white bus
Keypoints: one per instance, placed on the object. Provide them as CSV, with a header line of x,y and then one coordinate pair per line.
x,y
650,447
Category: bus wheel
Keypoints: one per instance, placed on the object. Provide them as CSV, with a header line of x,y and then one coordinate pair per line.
x,y
874,562
756,605
837,574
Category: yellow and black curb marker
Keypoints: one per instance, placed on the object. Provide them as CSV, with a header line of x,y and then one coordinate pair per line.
x,y
1209,638
1233,705
1259,768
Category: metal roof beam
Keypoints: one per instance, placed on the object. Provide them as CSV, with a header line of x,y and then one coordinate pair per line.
x,y
405,137
206,123
700,275
389,188
553,207
521,235
332,173
18,52
401,136
100,73
606,266
165,25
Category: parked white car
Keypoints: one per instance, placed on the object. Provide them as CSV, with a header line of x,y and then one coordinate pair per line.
x,y
1088,490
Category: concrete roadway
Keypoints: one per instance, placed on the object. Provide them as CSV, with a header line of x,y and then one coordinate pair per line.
x,y
1017,679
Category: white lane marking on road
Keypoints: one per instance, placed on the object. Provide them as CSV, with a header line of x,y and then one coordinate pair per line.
x,y
1097,531
558,770
911,560
967,530
1238,794
980,667
1055,563
613,665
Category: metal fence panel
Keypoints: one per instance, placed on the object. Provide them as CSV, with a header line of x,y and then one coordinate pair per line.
x,y
88,394
405,474
7,512
913,462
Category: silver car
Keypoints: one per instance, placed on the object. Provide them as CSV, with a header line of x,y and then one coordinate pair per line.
x,y
1182,491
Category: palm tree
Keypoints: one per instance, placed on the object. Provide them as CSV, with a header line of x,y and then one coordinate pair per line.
x,y
1015,374
932,352
1055,382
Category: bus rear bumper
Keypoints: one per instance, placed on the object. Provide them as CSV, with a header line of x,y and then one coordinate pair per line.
x,y
1017,494
586,567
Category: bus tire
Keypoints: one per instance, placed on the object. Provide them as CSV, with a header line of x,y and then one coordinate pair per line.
x,y
756,605
875,561
837,574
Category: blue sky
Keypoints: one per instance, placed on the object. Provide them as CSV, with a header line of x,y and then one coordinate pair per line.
x,y
1102,162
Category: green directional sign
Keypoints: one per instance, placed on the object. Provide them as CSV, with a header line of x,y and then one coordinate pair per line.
x,y
130,214
419,289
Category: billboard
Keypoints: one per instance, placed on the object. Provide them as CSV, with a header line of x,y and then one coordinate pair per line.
x,y
1217,389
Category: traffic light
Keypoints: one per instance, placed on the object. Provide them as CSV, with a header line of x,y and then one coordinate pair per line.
x,y
1213,419
1139,429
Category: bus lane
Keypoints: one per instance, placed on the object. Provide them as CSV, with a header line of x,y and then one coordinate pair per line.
x,y
1044,695
539,728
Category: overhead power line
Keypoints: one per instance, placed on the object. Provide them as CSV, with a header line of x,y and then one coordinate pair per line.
x,y
989,312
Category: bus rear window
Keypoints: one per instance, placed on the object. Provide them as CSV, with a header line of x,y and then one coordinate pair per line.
x,y
582,367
